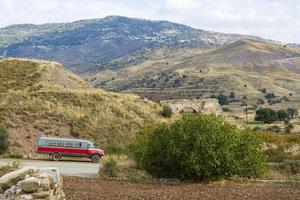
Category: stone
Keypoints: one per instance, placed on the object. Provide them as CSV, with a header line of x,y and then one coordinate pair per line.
x,y
30,185
12,178
45,183
42,194
25,197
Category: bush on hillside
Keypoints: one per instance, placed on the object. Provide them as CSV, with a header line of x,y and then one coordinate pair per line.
x,y
199,147
292,112
166,111
232,95
222,99
4,142
266,115
288,129
283,115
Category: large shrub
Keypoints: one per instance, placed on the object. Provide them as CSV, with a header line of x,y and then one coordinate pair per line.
x,y
4,142
199,147
266,115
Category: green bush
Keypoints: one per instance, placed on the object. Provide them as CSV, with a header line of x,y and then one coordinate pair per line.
x,y
290,167
283,115
292,112
266,115
199,147
4,142
166,111
223,99
109,168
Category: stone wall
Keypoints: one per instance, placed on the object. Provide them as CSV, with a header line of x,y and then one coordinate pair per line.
x,y
193,105
32,183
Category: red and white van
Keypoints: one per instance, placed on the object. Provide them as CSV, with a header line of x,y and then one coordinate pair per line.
x,y
58,147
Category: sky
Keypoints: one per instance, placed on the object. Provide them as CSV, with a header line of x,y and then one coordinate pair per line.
x,y
270,19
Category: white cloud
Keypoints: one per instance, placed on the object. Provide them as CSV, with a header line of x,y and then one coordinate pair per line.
x,y
274,19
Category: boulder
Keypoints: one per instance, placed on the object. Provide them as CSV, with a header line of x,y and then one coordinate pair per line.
x,y
12,178
30,185
45,183
42,195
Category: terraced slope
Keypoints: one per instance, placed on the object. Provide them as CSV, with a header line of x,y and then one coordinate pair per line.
x,y
42,98
197,73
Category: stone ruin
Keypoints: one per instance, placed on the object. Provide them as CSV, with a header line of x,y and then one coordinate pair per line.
x,y
204,106
31,183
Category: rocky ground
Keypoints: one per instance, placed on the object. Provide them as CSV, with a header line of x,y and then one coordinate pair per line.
x,y
94,188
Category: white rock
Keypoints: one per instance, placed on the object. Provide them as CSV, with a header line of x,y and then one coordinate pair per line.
x,y
12,178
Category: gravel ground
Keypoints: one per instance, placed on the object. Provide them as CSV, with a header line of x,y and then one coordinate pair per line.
x,y
94,189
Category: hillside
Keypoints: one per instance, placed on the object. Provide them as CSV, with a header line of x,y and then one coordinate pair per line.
x,y
199,73
89,45
159,59
42,98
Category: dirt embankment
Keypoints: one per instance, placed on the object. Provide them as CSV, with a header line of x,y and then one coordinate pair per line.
x,y
94,188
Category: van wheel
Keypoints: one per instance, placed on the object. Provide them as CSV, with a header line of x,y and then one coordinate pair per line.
x,y
56,157
95,158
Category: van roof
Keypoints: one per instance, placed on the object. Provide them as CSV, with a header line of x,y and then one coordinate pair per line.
x,y
64,139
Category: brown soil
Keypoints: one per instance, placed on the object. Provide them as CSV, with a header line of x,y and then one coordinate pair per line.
x,y
93,189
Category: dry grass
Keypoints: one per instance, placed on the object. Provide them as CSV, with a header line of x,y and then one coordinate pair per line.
x,y
40,92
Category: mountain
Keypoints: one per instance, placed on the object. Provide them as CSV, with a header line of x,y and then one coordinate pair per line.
x,y
200,73
42,98
293,45
89,45
159,59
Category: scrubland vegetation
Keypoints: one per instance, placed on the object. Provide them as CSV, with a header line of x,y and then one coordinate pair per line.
x,y
42,98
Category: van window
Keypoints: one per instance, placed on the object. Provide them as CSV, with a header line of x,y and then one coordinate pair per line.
x,y
68,144
76,145
52,143
60,143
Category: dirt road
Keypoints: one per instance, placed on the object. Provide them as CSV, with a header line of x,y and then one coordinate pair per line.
x,y
68,168
93,189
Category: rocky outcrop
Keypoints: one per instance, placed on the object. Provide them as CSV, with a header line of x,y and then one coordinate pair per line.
x,y
204,106
32,183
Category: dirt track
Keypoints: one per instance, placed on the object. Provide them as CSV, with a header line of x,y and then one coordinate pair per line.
x,y
94,189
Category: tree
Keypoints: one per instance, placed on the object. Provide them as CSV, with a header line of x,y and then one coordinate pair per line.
x,y
266,115
283,115
292,112
4,142
166,111
222,99
270,96
232,95
199,147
